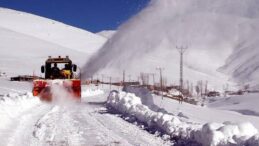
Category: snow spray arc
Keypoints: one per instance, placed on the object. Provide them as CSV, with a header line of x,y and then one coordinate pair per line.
x,y
206,25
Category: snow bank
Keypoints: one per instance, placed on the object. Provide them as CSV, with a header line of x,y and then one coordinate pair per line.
x,y
144,93
13,104
211,134
129,104
92,92
227,134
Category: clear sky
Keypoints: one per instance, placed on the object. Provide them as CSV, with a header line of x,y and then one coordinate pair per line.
x,y
92,15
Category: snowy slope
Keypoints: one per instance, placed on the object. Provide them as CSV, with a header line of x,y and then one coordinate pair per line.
x,y
211,113
50,30
27,40
23,54
245,105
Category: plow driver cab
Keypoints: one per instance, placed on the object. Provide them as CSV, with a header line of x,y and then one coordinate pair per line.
x,y
63,76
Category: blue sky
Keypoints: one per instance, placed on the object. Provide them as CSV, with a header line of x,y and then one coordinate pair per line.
x,y
92,15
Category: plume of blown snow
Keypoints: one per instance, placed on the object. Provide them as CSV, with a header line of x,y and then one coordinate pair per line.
x,y
60,94
243,64
210,29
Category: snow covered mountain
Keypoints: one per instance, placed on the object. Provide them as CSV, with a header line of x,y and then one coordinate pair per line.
x,y
221,36
50,30
212,30
107,33
26,41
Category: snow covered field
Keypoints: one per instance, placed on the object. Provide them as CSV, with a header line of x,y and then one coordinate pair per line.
x,y
245,105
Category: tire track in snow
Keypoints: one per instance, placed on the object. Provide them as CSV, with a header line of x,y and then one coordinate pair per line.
x,y
94,132
19,132
132,133
73,125
57,127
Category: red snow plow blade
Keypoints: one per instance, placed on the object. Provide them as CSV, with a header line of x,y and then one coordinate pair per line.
x,y
43,88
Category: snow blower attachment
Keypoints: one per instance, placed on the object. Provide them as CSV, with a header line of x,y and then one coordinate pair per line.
x,y
54,76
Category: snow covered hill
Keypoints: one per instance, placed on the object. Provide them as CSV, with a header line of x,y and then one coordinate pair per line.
x,y
50,30
23,54
27,40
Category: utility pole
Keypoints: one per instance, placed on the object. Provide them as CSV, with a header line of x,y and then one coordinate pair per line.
x,y
129,77
161,79
102,79
97,81
97,77
153,76
123,77
110,83
181,50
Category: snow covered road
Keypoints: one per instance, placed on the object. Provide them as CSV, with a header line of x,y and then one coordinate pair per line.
x,y
25,120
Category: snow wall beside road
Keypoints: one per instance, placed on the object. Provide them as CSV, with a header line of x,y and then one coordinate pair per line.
x,y
213,134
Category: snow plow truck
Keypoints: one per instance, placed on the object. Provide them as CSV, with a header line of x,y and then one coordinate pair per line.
x,y
55,76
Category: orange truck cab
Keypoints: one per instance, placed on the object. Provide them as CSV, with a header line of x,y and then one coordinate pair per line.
x,y
64,78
